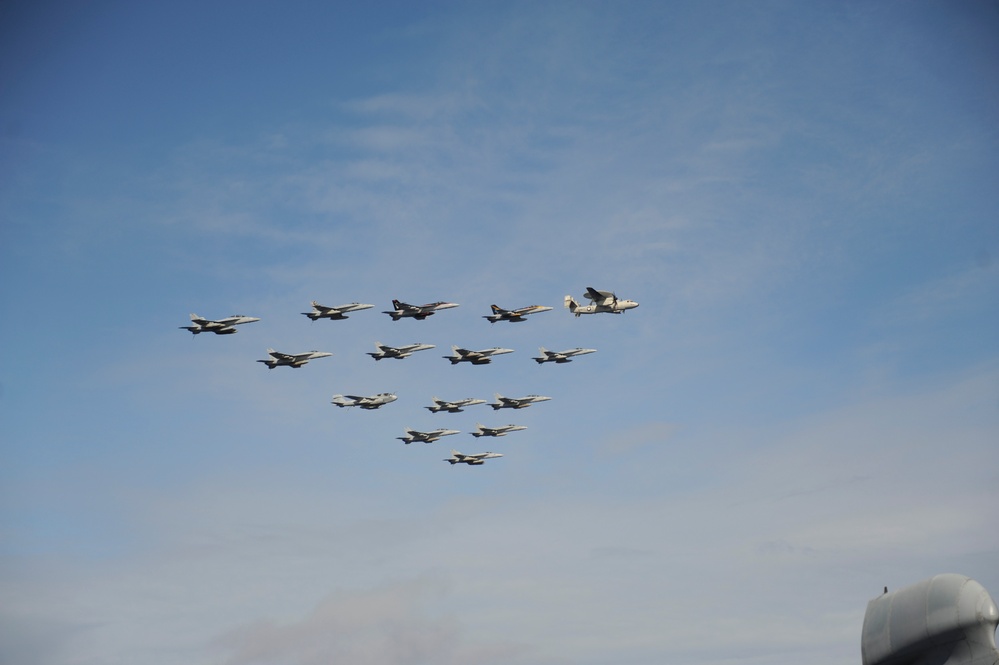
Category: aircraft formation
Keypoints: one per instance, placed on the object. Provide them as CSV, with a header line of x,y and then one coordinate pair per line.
x,y
600,302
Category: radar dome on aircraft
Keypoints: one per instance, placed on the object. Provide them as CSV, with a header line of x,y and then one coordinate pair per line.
x,y
945,620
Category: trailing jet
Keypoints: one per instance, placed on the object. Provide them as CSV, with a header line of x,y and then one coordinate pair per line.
x,y
453,407
600,301
474,459
221,327
560,356
483,357
291,359
496,431
400,352
418,312
334,313
372,402
426,437
517,402
514,315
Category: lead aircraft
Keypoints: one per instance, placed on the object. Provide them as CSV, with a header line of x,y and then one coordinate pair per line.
x,y
418,312
426,437
502,430
221,327
600,301
278,359
453,407
514,315
371,402
385,351
475,459
334,313
483,357
560,356
517,402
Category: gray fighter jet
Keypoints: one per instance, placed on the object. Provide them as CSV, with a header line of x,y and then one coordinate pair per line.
x,y
334,313
514,315
221,327
560,356
278,359
426,437
483,357
600,301
370,402
474,459
453,407
502,430
385,351
418,312
517,402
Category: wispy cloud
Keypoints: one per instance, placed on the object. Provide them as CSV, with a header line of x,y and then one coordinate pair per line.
x,y
379,627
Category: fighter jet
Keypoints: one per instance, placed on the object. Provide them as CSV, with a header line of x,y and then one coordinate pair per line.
x,y
426,437
221,327
291,359
418,312
474,459
452,407
483,357
400,352
372,402
514,315
600,301
517,402
560,356
496,431
334,313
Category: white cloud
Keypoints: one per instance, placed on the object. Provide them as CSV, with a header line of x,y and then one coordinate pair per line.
x,y
386,626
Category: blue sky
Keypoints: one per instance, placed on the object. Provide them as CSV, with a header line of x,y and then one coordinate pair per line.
x,y
804,408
